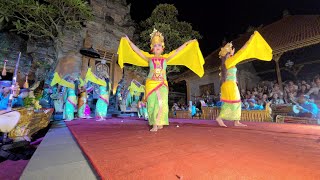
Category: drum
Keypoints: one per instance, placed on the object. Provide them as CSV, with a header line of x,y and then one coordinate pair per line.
x,y
8,121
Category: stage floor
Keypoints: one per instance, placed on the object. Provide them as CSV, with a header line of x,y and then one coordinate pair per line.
x,y
199,149
58,157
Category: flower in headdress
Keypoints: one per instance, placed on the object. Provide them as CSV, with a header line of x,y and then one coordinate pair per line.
x,y
156,37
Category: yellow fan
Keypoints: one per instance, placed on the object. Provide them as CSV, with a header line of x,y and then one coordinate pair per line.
x,y
190,57
91,77
255,48
134,89
82,83
57,80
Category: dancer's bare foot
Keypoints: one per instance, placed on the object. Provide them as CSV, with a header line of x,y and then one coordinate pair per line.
x,y
160,127
220,122
238,123
100,119
154,128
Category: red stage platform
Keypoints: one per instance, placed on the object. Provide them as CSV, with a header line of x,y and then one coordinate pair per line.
x,y
199,149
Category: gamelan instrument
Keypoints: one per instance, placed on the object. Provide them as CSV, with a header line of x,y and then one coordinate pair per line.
x,y
295,109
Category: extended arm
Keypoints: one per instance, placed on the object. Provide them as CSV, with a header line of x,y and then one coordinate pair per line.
x,y
179,49
136,49
310,91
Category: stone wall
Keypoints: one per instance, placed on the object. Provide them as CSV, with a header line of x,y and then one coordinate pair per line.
x,y
10,46
195,83
43,54
111,21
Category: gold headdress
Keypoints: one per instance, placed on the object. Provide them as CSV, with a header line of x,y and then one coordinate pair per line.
x,y
226,49
156,38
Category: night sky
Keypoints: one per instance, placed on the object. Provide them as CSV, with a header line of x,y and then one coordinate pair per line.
x,y
225,19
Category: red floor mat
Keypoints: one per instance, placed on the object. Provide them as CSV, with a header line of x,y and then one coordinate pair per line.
x,y
198,149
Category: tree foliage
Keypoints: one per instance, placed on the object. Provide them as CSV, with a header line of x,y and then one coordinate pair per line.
x,y
44,18
165,19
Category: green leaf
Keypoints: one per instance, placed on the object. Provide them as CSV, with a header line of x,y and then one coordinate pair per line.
x,y
44,18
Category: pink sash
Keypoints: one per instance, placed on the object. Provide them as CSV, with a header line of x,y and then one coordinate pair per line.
x,y
105,100
74,105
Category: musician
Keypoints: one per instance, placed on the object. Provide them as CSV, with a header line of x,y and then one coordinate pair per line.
x,y
4,98
307,108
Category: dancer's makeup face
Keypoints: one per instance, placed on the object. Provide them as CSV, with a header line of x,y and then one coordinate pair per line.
x,y
158,49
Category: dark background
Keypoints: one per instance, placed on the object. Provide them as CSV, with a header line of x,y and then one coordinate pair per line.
x,y
216,20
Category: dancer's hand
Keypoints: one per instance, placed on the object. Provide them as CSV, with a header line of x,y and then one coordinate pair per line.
x,y
190,41
127,38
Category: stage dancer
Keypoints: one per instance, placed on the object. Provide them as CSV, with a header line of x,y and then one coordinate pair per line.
x,y
156,94
103,101
256,48
104,91
142,108
83,107
70,98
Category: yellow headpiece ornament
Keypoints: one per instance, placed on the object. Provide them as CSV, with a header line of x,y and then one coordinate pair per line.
x,y
156,38
226,49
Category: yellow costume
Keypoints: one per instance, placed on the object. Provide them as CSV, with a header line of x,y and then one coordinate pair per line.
x,y
256,48
104,89
58,80
156,84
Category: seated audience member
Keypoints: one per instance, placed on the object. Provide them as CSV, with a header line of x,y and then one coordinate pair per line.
x,y
265,90
244,104
243,94
175,107
314,92
4,99
307,108
264,100
293,86
253,105
255,91
219,104
306,84
276,100
275,90
303,90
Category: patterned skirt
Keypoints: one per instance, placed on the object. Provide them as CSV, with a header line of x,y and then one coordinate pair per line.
x,y
157,106
101,108
230,111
